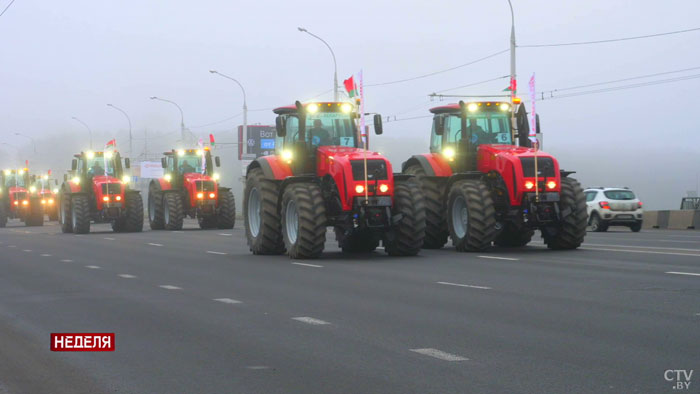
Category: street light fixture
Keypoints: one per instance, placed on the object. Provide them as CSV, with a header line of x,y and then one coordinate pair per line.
x,y
182,116
32,139
335,64
245,103
131,146
87,127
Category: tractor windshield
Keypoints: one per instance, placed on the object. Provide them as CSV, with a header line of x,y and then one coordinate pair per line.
x,y
482,128
98,165
324,129
14,180
189,163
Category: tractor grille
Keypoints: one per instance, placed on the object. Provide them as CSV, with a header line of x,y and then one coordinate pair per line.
x,y
205,186
376,169
545,166
20,195
111,188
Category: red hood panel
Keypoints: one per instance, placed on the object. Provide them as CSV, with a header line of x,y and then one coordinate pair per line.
x,y
350,153
193,176
15,189
99,179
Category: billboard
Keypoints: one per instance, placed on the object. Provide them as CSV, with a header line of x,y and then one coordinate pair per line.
x,y
260,141
151,169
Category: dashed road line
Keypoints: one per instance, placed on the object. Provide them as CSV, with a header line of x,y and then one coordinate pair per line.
x,y
66,261
93,267
258,367
213,252
26,250
439,354
11,246
45,255
225,234
683,273
498,258
127,276
109,238
152,244
170,287
309,265
227,300
310,320
463,285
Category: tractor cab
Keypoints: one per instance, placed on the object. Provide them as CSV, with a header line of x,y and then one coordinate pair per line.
x,y
19,198
187,165
47,189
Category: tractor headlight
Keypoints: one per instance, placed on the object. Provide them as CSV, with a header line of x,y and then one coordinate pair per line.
x,y
46,177
43,202
287,156
25,202
472,107
168,177
181,152
359,189
198,152
505,107
449,153
76,180
200,195
51,201
90,154
8,172
108,155
55,190
383,188
32,189
346,108
126,179
216,176
312,108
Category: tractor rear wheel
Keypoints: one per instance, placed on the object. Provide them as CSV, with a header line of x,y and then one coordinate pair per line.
x,y
471,216
435,223
132,221
155,208
514,236
260,215
409,233
64,213
303,221
80,214
3,215
358,242
226,218
572,228
35,217
173,211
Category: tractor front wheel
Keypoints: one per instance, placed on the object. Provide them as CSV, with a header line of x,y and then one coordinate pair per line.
x,y
471,216
303,221
572,228
80,214
155,208
409,233
3,215
132,221
64,213
435,223
260,215
226,218
173,211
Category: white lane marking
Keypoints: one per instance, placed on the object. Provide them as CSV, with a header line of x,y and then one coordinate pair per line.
x,y
463,285
310,320
227,300
127,276
586,244
177,231
439,354
109,239
213,252
26,250
309,265
66,261
498,258
642,251
682,273
45,255
152,244
258,367
11,246
170,287
225,234
93,267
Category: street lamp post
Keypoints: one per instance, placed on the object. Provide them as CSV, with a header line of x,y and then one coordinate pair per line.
x,y
131,146
32,139
87,127
11,146
182,116
245,103
513,83
335,64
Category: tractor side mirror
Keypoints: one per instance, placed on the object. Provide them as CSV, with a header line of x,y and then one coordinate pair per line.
x,y
537,124
127,163
65,178
378,127
281,126
439,124
163,162
217,161
74,164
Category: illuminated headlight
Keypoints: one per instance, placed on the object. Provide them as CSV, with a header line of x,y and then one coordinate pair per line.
x,y
25,202
216,176
212,195
200,196
505,107
346,108
8,172
472,107
108,155
551,185
20,172
168,177
529,185
46,177
359,189
90,154
126,179
312,108
16,202
118,198
51,201
105,198
43,202
287,156
198,152
383,188
55,191
449,153
32,189
181,152
76,180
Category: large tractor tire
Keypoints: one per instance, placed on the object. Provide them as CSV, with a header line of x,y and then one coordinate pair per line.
x,y
303,221
514,236
132,221
35,216
572,207
3,215
64,213
471,216
155,208
359,242
226,217
173,211
435,222
409,233
80,214
260,215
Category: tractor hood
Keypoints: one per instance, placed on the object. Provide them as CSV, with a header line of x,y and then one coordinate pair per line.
x,y
193,176
348,152
17,189
510,152
100,179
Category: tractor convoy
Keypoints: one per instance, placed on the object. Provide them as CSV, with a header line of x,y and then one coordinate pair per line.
x,y
482,183
190,188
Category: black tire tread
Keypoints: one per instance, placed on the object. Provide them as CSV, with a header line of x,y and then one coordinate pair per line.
x,y
269,240
64,202
175,210
572,228
80,207
436,232
410,232
311,236
158,221
481,230
226,217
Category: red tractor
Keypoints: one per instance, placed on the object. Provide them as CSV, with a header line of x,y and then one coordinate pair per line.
x,y
98,191
482,188
47,189
19,199
320,177
190,188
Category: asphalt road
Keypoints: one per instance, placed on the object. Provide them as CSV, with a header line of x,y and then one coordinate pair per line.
x,y
195,312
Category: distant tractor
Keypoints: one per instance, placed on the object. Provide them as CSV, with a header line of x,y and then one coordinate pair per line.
x,y
97,190
190,188
482,188
320,177
18,198
47,189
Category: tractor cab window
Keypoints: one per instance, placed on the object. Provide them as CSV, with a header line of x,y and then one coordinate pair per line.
x,y
14,180
191,163
482,128
98,165
324,129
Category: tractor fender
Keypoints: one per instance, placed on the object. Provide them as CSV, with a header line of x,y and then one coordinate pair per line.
x,y
565,174
402,177
272,166
462,176
162,184
433,164
70,187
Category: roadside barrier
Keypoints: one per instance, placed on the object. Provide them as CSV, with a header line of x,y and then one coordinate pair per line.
x,y
672,220
681,220
651,219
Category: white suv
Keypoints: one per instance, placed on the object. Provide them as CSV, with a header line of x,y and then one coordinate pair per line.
x,y
613,206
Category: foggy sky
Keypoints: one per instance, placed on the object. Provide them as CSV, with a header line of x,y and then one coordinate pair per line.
x,y
71,58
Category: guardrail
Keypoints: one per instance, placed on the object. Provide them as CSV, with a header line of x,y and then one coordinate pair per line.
x,y
672,219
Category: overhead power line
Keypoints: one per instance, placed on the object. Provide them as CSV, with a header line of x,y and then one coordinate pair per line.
x,y
609,40
472,84
5,10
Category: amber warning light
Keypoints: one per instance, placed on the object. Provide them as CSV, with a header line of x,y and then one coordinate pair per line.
x,y
82,342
